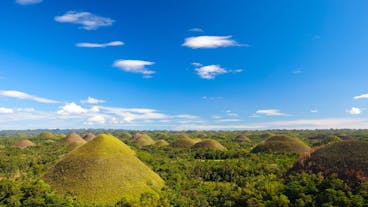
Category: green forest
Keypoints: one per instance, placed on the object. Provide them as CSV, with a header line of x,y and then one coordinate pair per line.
x,y
275,168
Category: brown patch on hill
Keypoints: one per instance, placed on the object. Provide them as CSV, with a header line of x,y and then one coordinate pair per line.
x,y
347,160
137,136
74,137
242,138
89,136
24,144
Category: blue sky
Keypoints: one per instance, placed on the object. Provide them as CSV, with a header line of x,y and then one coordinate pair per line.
x,y
183,64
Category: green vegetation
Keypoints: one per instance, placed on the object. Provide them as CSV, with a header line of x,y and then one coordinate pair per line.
x,y
52,174
282,144
209,144
46,135
102,172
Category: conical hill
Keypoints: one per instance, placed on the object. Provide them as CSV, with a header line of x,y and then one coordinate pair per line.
x,y
282,144
103,172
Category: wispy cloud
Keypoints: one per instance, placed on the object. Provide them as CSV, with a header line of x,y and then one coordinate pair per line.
x,y
100,45
132,114
210,42
22,95
135,66
211,71
96,119
270,112
28,2
196,29
228,120
363,96
314,110
88,20
212,98
4,110
354,111
328,123
91,100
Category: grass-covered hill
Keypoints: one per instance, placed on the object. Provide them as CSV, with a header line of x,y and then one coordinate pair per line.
x,y
161,143
102,172
242,138
282,144
143,140
74,137
22,144
348,160
209,144
183,141
47,135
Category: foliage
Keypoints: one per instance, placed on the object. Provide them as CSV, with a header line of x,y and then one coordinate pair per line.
x,y
193,176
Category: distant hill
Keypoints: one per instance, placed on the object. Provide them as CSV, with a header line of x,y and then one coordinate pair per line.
x,y
283,144
74,140
183,141
74,137
209,144
102,172
348,160
46,135
242,138
24,144
89,136
161,143
143,140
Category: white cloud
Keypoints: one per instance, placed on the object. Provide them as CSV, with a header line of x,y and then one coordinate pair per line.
x,y
228,120
135,66
88,20
328,123
186,116
91,100
4,110
197,64
28,2
71,108
196,29
336,123
230,113
354,111
22,95
270,112
100,45
314,110
97,119
211,71
132,114
361,96
210,42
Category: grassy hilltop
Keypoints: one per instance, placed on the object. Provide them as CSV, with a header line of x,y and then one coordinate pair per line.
x,y
102,172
